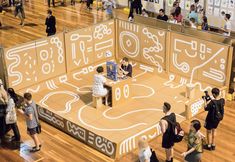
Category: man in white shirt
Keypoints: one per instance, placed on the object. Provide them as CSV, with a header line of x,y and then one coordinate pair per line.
x,y
228,26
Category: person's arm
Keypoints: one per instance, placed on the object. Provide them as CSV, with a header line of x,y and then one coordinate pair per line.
x,y
163,126
184,154
207,105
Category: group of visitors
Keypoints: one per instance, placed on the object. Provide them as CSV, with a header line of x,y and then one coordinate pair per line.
x,y
8,117
196,141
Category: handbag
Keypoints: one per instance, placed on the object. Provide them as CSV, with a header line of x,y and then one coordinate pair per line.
x,y
11,112
38,128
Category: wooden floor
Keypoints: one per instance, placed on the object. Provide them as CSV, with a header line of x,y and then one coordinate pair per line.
x,y
58,146
67,18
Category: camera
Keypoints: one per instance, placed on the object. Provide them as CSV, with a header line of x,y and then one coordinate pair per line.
x,y
206,97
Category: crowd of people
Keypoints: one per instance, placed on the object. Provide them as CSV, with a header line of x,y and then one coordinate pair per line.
x,y
9,101
196,16
196,140
170,128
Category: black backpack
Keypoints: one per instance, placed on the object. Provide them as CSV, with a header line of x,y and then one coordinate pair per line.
x,y
178,131
217,116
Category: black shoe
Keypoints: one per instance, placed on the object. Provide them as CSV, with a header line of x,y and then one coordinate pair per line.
x,y
213,147
36,147
207,148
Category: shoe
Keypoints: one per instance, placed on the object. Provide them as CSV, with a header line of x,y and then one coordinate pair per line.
x,y
207,148
36,147
213,147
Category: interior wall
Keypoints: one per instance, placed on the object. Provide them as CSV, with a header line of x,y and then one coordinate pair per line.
x,y
195,60
90,45
30,63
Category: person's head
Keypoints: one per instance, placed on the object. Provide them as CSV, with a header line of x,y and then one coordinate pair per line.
x,y
172,16
49,12
215,92
177,11
204,18
227,17
222,13
166,107
27,97
176,4
195,125
12,94
161,12
192,8
196,1
142,143
125,61
100,69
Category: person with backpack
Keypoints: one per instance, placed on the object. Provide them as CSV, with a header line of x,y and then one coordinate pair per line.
x,y
11,118
32,121
215,108
195,146
167,128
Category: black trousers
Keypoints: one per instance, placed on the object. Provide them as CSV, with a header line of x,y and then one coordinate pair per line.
x,y
49,3
16,131
11,2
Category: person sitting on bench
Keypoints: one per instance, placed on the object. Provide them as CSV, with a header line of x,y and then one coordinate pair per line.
x,y
126,68
98,86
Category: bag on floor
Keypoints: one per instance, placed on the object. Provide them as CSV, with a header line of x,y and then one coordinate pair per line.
x,y
11,112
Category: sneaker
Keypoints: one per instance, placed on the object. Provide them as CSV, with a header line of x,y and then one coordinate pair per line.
x,y
213,147
207,148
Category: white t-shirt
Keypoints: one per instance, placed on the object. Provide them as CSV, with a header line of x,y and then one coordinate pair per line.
x,y
98,87
145,154
172,21
227,26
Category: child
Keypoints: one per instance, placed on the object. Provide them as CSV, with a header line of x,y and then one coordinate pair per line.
x,y
193,23
171,19
144,13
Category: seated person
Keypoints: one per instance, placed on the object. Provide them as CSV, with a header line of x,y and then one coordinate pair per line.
x,y
126,68
162,16
98,86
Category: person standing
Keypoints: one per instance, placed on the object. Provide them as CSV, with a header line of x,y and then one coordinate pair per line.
x,y
19,11
215,108
162,16
195,148
167,129
12,101
228,26
49,3
30,113
178,16
3,106
50,24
